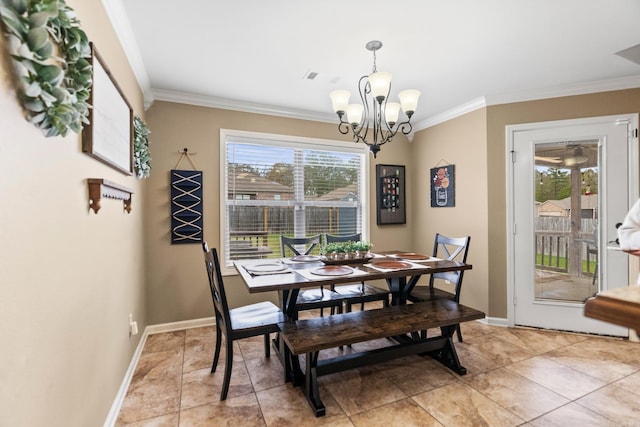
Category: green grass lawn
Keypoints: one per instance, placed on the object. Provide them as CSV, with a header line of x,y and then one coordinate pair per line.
x,y
587,267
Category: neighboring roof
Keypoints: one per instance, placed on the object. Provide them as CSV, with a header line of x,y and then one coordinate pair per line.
x,y
249,183
344,193
586,202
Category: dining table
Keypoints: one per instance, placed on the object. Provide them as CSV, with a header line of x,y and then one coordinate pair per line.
x,y
400,269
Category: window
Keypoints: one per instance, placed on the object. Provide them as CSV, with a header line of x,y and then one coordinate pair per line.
x,y
273,185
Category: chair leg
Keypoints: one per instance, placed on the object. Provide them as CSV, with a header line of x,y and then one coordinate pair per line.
x,y
218,344
227,370
459,333
267,347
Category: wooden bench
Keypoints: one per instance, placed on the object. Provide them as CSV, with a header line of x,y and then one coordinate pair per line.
x,y
401,322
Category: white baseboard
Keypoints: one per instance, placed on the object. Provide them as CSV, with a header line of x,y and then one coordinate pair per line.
x,y
495,321
179,326
112,417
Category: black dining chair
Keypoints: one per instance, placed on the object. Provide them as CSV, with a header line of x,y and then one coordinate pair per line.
x,y
357,293
450,248
243,322
310,299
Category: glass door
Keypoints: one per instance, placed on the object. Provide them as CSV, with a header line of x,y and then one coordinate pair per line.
x,y
570,183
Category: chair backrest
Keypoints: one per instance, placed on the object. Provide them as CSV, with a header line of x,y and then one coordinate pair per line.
x,y
330,238
290,243
453,249
216,286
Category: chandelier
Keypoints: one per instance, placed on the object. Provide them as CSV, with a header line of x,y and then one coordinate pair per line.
x,y
375,113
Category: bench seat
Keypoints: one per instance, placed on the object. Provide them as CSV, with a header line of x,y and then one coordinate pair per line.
x,y
321,333
400,322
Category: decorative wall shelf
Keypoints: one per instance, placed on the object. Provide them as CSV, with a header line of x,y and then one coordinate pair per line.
x,y
99,188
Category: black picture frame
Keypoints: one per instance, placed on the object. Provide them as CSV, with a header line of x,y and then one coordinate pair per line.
x,y
390,194
443,180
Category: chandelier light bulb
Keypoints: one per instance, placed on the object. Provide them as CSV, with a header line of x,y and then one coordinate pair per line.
x,y
380,83
409,101
391,113
340,100
354,114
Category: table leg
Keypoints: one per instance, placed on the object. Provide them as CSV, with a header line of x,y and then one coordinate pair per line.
x,y
400,288
396,286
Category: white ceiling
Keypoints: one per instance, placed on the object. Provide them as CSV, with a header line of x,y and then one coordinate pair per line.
x,y
255,54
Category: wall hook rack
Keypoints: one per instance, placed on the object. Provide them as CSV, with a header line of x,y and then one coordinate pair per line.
x,y
99,188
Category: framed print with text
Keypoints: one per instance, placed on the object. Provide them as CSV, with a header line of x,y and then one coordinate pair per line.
x,y
443,186
390,194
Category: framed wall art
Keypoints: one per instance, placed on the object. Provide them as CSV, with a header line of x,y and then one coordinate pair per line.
x,y
109,135
186,206
443,186
390,194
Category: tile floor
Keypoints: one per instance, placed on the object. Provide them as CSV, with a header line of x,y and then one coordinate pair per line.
x,y
516,377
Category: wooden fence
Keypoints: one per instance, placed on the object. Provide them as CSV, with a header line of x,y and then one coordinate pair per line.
x,y
280,220
552,244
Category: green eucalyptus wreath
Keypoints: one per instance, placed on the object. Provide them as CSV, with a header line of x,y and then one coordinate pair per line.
x,y
54,83
141,156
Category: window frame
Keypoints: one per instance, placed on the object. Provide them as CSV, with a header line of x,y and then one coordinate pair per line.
x,y
287,141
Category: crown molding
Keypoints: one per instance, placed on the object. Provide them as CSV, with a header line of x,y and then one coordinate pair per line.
x,y
465,108
117,15
248,107
584,88
122,27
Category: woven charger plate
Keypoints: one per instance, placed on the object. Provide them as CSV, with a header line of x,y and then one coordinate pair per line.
x,y
332,270
269,267
391,264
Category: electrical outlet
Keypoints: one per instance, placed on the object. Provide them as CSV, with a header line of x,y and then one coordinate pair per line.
x,y
133,326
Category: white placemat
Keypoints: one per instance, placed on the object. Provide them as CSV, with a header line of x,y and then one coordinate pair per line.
x,y
269,273
386,270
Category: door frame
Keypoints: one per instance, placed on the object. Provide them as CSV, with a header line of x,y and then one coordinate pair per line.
x,y
633,185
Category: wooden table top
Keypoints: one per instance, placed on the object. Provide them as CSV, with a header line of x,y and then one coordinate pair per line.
x,y
293,279
620,306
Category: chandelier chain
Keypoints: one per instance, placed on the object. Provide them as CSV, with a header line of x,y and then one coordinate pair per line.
x,y
374,61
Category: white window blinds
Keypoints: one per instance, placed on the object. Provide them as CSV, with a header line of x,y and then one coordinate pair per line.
x,y
276,187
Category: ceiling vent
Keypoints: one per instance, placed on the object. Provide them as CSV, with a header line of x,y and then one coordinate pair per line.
x,y
632,54
310,75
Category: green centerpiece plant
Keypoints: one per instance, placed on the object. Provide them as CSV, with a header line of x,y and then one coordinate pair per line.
x,y
350,249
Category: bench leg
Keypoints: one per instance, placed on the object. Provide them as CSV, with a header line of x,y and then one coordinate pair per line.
x,y
311,389
447,355
295,372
